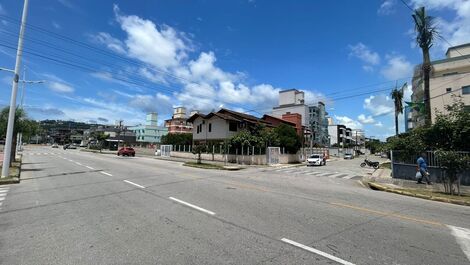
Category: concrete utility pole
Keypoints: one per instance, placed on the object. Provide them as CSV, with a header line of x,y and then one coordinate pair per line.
x,y
11,114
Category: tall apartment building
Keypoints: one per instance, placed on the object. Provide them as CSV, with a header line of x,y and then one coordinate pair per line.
x,y
340,135
313,117
449,79
150,132
178,122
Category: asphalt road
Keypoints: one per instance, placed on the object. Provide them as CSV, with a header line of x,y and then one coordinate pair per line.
x,y
74,207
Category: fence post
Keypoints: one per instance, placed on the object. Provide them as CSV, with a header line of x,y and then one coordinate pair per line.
x,y
184,148
190,148
391,161
213,151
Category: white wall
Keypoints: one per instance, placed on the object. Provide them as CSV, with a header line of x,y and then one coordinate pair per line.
x,y
220,129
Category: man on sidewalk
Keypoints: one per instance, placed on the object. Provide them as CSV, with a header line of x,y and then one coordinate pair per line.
x,y
423,169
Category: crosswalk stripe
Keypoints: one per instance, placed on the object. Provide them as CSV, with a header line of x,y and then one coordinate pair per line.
x,y
339,175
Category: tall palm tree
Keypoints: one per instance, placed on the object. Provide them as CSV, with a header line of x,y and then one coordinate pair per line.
x,y
397,96
426,33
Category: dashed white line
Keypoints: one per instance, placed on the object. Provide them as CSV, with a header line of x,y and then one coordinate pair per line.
x,y
78,163
316,251
192,206
462,235
135,184
106,173
89,167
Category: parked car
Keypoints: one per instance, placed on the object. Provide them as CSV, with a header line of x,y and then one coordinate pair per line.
x,y
126,151
384,155
316,160
55,146
348,156
66,146
72,146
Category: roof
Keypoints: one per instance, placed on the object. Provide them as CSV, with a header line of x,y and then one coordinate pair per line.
x,y
227,114
457,47
195,116
281,120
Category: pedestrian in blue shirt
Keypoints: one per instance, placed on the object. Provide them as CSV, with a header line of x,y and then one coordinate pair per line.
x,y
423,169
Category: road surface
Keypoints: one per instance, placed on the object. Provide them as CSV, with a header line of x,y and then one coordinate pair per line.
x,y
75,207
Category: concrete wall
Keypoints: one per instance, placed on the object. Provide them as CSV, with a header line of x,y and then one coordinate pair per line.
x,y
300,109
219,130
239,159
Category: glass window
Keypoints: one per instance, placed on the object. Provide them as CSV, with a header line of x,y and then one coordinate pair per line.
x,y
210,127
232,126
466,90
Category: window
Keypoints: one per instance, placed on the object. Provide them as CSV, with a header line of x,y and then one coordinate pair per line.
x,y
197,129
465,90
210,127
232,126
449,89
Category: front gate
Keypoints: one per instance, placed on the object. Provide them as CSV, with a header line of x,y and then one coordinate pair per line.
x,y
165,150
273,155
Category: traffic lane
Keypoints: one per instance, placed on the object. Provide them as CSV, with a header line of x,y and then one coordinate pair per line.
x,y
313,220
130,227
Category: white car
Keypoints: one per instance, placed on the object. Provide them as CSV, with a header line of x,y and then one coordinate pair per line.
x,y
316,160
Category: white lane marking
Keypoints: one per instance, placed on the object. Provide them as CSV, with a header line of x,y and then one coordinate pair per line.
x,y
349,176
3,191
78,163
89,167
106,173
462,235
71,160
316,251
135,184
2,198
192,206
336,175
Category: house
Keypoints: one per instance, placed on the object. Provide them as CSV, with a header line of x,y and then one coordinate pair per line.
x,y
449,78
150,132
178,122
291,119
217,127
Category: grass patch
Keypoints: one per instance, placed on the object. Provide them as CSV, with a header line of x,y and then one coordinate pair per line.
x,y
386,165
14,176
203,165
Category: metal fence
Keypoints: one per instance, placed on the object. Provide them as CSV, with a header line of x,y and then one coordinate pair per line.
x,y
402,157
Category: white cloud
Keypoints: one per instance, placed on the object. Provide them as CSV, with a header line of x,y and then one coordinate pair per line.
x,y
387,7
2,10
379,124
348,122
152,103
66,3
364,53
57,84
110,42
397,68
59,87
56,25
379,105
167,59
162,47
365,119
457,30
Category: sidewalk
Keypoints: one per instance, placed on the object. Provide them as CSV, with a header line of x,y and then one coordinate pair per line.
x,y
381,180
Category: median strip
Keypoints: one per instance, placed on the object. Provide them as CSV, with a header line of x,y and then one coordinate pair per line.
x,y
192,206
316,251
135,184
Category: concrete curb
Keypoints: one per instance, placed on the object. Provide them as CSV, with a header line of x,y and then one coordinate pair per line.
x,y
377,186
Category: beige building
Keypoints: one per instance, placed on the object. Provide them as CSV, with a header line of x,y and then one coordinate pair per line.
x,y
450,78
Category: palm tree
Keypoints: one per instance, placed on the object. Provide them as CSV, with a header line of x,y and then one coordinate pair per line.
x,y
397,96
426,34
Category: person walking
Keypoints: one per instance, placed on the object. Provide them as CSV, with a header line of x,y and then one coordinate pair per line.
x,y
423,169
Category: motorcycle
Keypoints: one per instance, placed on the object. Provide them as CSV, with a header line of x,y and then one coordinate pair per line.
x,y
370,163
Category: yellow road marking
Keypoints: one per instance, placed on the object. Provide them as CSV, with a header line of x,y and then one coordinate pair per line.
x,y
399,216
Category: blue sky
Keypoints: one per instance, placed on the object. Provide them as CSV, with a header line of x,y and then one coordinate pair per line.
x,y
108,60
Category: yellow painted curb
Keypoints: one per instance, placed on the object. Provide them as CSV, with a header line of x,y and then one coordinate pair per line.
x,y
421,196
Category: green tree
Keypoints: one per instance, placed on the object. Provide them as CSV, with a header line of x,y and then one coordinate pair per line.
x,y
198,150
397,96
426,33
21,125
288,138
453,164
178,139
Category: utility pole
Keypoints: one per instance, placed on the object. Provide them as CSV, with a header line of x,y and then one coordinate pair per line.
x,y
11,114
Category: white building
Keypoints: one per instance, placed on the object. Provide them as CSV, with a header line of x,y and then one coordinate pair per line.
x,y
449,79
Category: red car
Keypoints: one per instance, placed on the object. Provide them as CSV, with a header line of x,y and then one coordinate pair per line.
x,y
126,151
